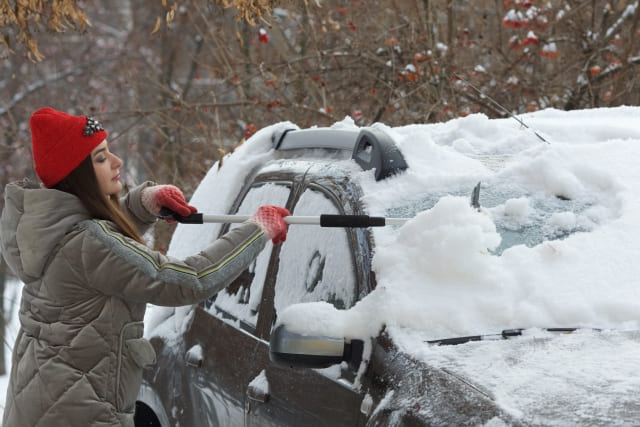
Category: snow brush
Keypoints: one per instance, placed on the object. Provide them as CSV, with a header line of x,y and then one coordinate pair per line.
x,y
325,220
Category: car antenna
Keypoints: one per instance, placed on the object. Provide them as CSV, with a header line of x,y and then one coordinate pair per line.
x,y
484,95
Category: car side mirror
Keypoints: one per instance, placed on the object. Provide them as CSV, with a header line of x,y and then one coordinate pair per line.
x,y
311,351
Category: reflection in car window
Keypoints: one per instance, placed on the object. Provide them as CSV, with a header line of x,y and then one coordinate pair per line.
x,y
315,263
241,300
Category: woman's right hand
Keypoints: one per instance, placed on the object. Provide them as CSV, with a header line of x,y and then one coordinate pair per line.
x,y
270,219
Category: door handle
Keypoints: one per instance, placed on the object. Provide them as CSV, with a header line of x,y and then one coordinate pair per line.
x,y
257,394
194,356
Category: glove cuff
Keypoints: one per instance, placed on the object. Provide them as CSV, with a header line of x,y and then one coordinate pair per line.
x,y
147,200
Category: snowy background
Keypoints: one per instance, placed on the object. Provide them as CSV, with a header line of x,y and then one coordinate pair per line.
x,y
11,302
451,271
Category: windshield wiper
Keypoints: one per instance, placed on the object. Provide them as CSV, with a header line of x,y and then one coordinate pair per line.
x,y
505,334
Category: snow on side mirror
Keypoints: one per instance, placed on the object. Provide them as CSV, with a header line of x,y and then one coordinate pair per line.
x,y
306,351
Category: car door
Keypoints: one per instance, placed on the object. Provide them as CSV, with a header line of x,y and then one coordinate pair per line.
x,y
220,341
315,264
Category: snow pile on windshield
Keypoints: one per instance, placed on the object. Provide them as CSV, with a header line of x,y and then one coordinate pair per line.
x,y
448,271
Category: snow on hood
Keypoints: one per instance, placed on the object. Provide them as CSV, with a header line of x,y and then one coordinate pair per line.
x,y
583,378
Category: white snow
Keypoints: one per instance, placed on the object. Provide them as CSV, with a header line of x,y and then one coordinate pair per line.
x,y
578,379
260,383
11,305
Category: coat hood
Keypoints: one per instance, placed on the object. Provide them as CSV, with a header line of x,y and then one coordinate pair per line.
x,y
33,222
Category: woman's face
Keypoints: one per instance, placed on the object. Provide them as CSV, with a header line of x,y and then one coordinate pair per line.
x,y
107,169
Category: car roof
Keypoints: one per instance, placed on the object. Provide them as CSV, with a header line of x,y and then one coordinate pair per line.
x,y
370,148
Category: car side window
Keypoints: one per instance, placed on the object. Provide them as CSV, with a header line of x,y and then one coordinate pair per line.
x,y
316,264
240,301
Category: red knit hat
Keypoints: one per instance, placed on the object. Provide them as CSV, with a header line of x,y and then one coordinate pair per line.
x,y
60,142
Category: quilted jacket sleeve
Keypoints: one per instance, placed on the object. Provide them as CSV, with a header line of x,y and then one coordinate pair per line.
x,y
118,266
131,205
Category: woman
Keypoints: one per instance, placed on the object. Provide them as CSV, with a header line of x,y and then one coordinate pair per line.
x,y
88,276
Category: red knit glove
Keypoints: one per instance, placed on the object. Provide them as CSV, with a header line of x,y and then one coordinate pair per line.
x,y
166,196
269,218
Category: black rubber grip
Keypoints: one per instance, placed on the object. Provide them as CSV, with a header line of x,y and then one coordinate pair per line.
x,y
195,218
351,221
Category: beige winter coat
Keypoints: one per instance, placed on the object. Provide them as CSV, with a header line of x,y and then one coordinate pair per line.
x,y
79,355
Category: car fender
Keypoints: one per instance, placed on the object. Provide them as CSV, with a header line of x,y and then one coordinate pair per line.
x,y
407,391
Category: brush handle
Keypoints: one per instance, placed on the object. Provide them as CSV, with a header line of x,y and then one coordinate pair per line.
x,y
346,221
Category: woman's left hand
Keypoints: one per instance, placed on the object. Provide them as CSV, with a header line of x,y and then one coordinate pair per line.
x,y
166,196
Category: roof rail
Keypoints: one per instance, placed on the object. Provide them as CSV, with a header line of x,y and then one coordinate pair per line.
x,y
370,148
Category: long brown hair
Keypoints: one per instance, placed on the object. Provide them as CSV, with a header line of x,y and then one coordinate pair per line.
x,y
82,183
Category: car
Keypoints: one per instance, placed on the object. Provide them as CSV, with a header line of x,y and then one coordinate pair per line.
x,y
237,359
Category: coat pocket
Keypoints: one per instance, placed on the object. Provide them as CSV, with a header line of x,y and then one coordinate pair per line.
x,y
136,353
141,351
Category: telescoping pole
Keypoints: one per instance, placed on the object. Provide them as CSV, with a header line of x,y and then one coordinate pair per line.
x,y
349,221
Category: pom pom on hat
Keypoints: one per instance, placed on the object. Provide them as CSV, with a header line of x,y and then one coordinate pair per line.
x,y
60,142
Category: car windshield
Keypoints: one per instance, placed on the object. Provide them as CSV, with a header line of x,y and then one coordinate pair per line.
x,y
521,216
